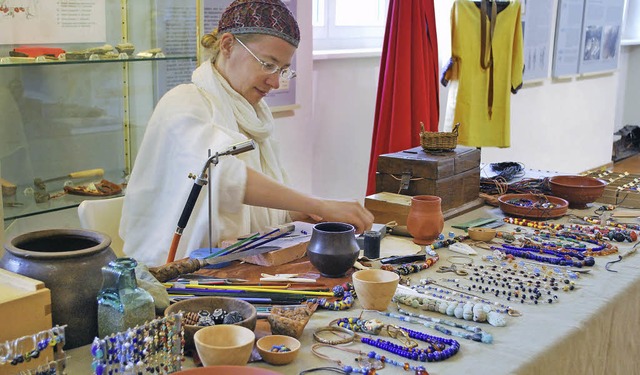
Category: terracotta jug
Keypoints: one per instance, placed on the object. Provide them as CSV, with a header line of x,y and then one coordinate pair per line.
x,y
425,221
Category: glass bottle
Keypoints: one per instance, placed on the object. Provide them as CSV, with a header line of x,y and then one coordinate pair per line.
x,y
121,304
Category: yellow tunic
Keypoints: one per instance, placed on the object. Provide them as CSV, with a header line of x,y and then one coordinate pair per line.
x,y
481,124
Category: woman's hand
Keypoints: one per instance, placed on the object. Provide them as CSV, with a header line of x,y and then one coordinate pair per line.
x,y
351,212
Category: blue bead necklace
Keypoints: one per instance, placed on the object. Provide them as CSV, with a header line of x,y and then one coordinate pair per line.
x,y
368,363
436,350
475,333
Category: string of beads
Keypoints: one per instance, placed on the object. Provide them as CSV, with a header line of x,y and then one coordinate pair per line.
x,y
476,333
344,291
368,362
435,351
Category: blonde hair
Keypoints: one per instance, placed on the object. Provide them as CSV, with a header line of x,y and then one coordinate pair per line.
x,y
211,44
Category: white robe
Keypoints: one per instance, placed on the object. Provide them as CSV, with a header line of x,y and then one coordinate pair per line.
x,y
188,121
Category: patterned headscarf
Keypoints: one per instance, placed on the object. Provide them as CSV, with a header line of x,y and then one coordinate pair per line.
x,y
269,17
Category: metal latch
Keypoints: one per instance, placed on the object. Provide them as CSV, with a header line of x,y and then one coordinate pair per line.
x,y
404,180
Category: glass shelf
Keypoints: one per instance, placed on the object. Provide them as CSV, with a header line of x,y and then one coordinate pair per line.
x,y
6,61
21,204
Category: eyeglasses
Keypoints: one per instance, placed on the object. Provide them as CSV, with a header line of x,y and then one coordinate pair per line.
x,y
270,68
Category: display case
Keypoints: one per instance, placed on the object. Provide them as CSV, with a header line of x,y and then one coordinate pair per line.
x,y
86,108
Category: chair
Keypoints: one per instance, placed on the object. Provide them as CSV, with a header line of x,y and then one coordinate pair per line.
x,y
103,215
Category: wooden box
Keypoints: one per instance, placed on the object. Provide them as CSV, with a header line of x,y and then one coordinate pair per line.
x,y
388,207
25,309
623,189
454,176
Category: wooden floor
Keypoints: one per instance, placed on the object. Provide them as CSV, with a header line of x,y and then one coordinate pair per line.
x,y
630,164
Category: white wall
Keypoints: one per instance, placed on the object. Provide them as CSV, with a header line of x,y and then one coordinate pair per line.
x,y
564,126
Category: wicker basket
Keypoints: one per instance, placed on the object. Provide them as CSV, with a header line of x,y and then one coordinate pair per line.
x,y
439,141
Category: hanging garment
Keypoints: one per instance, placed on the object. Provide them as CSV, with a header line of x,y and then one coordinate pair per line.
x,y
485,81
408,91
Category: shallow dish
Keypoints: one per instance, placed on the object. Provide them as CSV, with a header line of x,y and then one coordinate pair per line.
x,y
577,190
516,205
265,345
245,309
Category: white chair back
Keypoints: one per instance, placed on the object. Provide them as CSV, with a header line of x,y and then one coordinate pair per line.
x,y
103,215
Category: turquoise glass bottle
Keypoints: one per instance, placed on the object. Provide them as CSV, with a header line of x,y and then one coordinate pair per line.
x,y
121,303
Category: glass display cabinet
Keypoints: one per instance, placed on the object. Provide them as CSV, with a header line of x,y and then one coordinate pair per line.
x,y
71,101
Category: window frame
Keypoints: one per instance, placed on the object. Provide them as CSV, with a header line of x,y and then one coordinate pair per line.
x,y
333,37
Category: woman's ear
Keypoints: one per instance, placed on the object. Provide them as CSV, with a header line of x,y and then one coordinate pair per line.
x,y
226,43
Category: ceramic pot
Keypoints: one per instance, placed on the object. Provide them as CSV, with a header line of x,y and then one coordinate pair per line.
x,y
69,262
425,221
333,248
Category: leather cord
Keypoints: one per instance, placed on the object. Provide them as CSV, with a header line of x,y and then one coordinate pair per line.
x,y
486,44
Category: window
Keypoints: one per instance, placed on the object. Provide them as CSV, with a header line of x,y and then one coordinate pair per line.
x,y
349,24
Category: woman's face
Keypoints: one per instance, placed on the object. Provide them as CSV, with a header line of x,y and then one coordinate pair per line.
x,y
244,72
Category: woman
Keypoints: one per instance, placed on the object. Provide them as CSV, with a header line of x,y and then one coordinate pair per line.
x,y
251,49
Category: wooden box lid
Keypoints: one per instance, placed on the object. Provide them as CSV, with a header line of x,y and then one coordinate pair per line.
x,y
434,166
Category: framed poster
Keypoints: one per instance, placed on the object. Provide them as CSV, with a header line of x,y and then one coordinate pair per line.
x,y
601,32
566,51
537,18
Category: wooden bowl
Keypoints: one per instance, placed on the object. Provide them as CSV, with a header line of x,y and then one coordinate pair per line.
x,y
559,206
245,309
266,343
375,288
224,344
482,234
577,190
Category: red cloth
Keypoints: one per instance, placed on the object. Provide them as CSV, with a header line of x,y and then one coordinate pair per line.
x,y
408,91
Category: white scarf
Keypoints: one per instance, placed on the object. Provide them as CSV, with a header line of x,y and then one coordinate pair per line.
x,y
255,122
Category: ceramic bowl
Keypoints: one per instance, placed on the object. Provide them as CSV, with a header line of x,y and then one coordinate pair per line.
x,y
375,288
482,234
513,205
577,190
224,344
210,304
227,370
266,344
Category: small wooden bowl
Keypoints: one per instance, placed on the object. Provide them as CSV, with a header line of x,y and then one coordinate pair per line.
x,y
266,343
224,344
482,234
245,309
375,288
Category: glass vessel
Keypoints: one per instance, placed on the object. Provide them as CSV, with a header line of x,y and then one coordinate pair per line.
x,y
121,304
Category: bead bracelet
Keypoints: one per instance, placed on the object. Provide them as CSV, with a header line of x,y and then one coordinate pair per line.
x,y
350,335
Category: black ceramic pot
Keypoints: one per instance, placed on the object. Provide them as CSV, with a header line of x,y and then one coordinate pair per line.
x,y
69,262
333,248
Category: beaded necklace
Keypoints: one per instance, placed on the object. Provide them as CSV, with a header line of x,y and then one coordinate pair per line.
x,y
436,346
461,298
620,233
410,268
477,334
554,258
505,274
344,291
471,309
368,362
